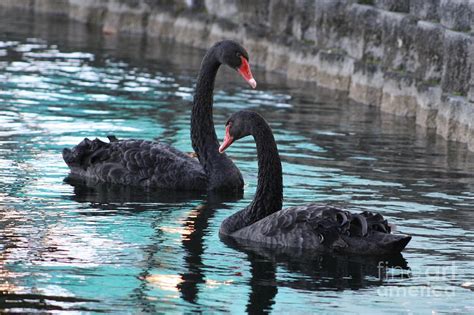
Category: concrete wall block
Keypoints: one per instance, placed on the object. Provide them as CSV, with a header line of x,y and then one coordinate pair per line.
x,y
87,11
471,9
426,117
253,13
366,23
455,119
165,25
353,43
17,4
58,7
212,33
160,25
470,136
302,67
456,14
336,63
196,32
130,16
111,23
425,9
258,48
428,102
281,15
470,144
242,12
277,60
393,5
444,120
331,24
367,84
470,94
226,9
455,78
112,16
303,26
466,121
334,70
429,52
398,96
310,33
133,22
175,6
398,39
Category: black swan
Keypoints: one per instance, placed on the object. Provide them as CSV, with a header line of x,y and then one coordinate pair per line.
x,y
158,165
310,227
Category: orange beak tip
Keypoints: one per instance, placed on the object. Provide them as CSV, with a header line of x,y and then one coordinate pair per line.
x,y
253,83
227,140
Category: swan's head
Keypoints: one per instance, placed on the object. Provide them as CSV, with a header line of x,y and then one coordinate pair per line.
x,y
236,57
240,125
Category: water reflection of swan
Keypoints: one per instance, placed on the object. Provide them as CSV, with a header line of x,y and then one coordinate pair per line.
x,y
193,234
193,243
310,271
105,196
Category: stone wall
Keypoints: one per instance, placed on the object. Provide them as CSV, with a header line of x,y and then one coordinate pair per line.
x,y
409,57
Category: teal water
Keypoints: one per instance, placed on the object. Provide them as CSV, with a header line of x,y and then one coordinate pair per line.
x,y
67,246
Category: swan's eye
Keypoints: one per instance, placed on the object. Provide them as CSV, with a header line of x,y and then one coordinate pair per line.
x,y
238,54
321,238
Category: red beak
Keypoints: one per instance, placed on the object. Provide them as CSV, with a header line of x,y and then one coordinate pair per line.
x,y
245,72
228,140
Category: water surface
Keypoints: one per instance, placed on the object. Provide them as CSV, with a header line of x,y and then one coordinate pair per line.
x,y
67,246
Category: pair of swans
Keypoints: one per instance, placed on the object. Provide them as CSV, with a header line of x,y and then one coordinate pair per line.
x,y
158,165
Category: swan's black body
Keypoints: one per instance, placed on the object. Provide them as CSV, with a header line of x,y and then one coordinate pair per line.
x,y
135,163
313,227
154,164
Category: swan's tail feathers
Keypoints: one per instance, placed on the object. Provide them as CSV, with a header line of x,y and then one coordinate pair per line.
x,y
73,156
112,138
84,154
392,243
367,232
398,243
67,156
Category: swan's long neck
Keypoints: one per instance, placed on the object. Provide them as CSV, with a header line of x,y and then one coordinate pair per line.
x,y
269,195
203,134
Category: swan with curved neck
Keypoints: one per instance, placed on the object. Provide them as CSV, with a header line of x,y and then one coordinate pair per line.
x,y
313,227
158,165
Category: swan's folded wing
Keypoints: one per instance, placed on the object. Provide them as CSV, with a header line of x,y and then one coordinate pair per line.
x,y
313,226
288,227
135,162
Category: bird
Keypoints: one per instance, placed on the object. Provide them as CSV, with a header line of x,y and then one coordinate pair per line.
x,y
314,226
158,165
